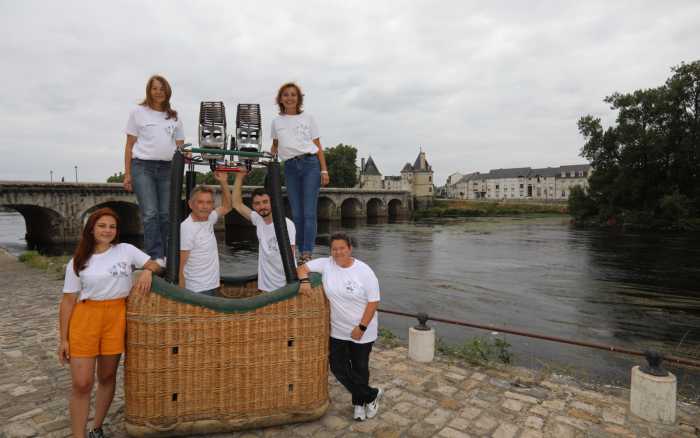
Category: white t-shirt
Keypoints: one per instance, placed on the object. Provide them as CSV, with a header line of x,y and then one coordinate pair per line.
x,y
107,275
270,269
202,267
348,291
155,136
295,135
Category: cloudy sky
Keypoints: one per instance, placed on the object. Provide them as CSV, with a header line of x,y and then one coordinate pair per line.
x,y
477,85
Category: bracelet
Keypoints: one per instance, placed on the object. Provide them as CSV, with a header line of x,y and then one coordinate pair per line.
x,y
304,280
324,171
362,327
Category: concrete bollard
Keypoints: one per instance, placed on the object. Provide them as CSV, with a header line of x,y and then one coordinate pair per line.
x,y
421,344
653,398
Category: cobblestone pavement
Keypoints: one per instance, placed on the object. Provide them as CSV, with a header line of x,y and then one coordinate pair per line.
x,y
439,399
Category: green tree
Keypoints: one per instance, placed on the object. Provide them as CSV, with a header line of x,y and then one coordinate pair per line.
x,y
116,178
341,165
647,164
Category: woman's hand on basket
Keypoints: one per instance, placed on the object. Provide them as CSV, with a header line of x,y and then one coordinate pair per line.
x,y
143,283
305,289
63,352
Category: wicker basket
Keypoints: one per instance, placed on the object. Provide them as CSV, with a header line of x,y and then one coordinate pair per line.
x,y
199,364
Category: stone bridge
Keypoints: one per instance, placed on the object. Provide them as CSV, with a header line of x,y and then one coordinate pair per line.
x,y
55,212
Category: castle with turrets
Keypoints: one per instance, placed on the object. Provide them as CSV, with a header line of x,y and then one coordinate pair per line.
x,y
416,178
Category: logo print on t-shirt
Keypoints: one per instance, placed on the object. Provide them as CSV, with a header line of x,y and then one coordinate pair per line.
x,y
351,287
272,244
119,269
303,133
170,130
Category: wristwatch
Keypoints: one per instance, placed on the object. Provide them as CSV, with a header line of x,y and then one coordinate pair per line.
x,y
362,327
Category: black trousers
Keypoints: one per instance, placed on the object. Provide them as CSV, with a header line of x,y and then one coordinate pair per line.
x,y
350,365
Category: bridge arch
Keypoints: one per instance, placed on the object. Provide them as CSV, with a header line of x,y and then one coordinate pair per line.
x,y
42,224
351,208
375,207
395,208
326,208
129,216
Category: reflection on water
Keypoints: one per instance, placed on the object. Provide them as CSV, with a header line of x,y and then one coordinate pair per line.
x,y
534,274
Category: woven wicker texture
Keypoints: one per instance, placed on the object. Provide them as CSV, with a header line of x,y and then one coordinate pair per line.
x,y
190,369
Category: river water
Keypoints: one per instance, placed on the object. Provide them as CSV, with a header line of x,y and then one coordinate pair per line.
x,y
536,274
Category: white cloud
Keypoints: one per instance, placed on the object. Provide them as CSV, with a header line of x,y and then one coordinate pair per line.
x,y
477,85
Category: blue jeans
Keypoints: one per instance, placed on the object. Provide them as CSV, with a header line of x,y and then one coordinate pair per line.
x,y
151,182
303,178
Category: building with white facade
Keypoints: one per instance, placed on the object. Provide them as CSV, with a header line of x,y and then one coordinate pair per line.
x,y
549,183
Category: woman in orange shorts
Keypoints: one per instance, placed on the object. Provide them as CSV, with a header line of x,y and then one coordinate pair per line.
x,y
92,315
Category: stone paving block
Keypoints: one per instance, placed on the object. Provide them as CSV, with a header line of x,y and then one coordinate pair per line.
x,y
583,415
534,422
529,433
446,390
394,418
448,432
585,407
450,404
539,410
486,423
470,412
512,405
505,430
29,414
478,376
334,422
19,429
422,429
387,432
521,397
620,431
307,429
574,422
611,415
561,430
365,427
438,417
403,407
22,390
460,423
554,405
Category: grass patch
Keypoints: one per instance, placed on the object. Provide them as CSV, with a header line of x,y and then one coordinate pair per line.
x,y
52,265
478,351
461,208
388,339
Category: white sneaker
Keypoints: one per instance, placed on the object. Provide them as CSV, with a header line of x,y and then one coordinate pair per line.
x,y
161,262
359,414
373,407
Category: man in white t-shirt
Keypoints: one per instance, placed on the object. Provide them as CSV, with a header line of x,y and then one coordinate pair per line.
x,y
199,254
270,269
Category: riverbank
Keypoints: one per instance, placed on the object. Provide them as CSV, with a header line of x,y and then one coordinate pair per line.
x,y
446,398
467,208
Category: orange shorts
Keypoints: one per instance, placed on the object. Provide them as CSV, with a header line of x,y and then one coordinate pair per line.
x,y
97,328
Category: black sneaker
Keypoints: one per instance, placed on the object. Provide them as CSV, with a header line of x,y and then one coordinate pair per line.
x,y
96,433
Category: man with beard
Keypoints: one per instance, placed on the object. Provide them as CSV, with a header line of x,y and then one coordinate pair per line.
x,y
270,269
